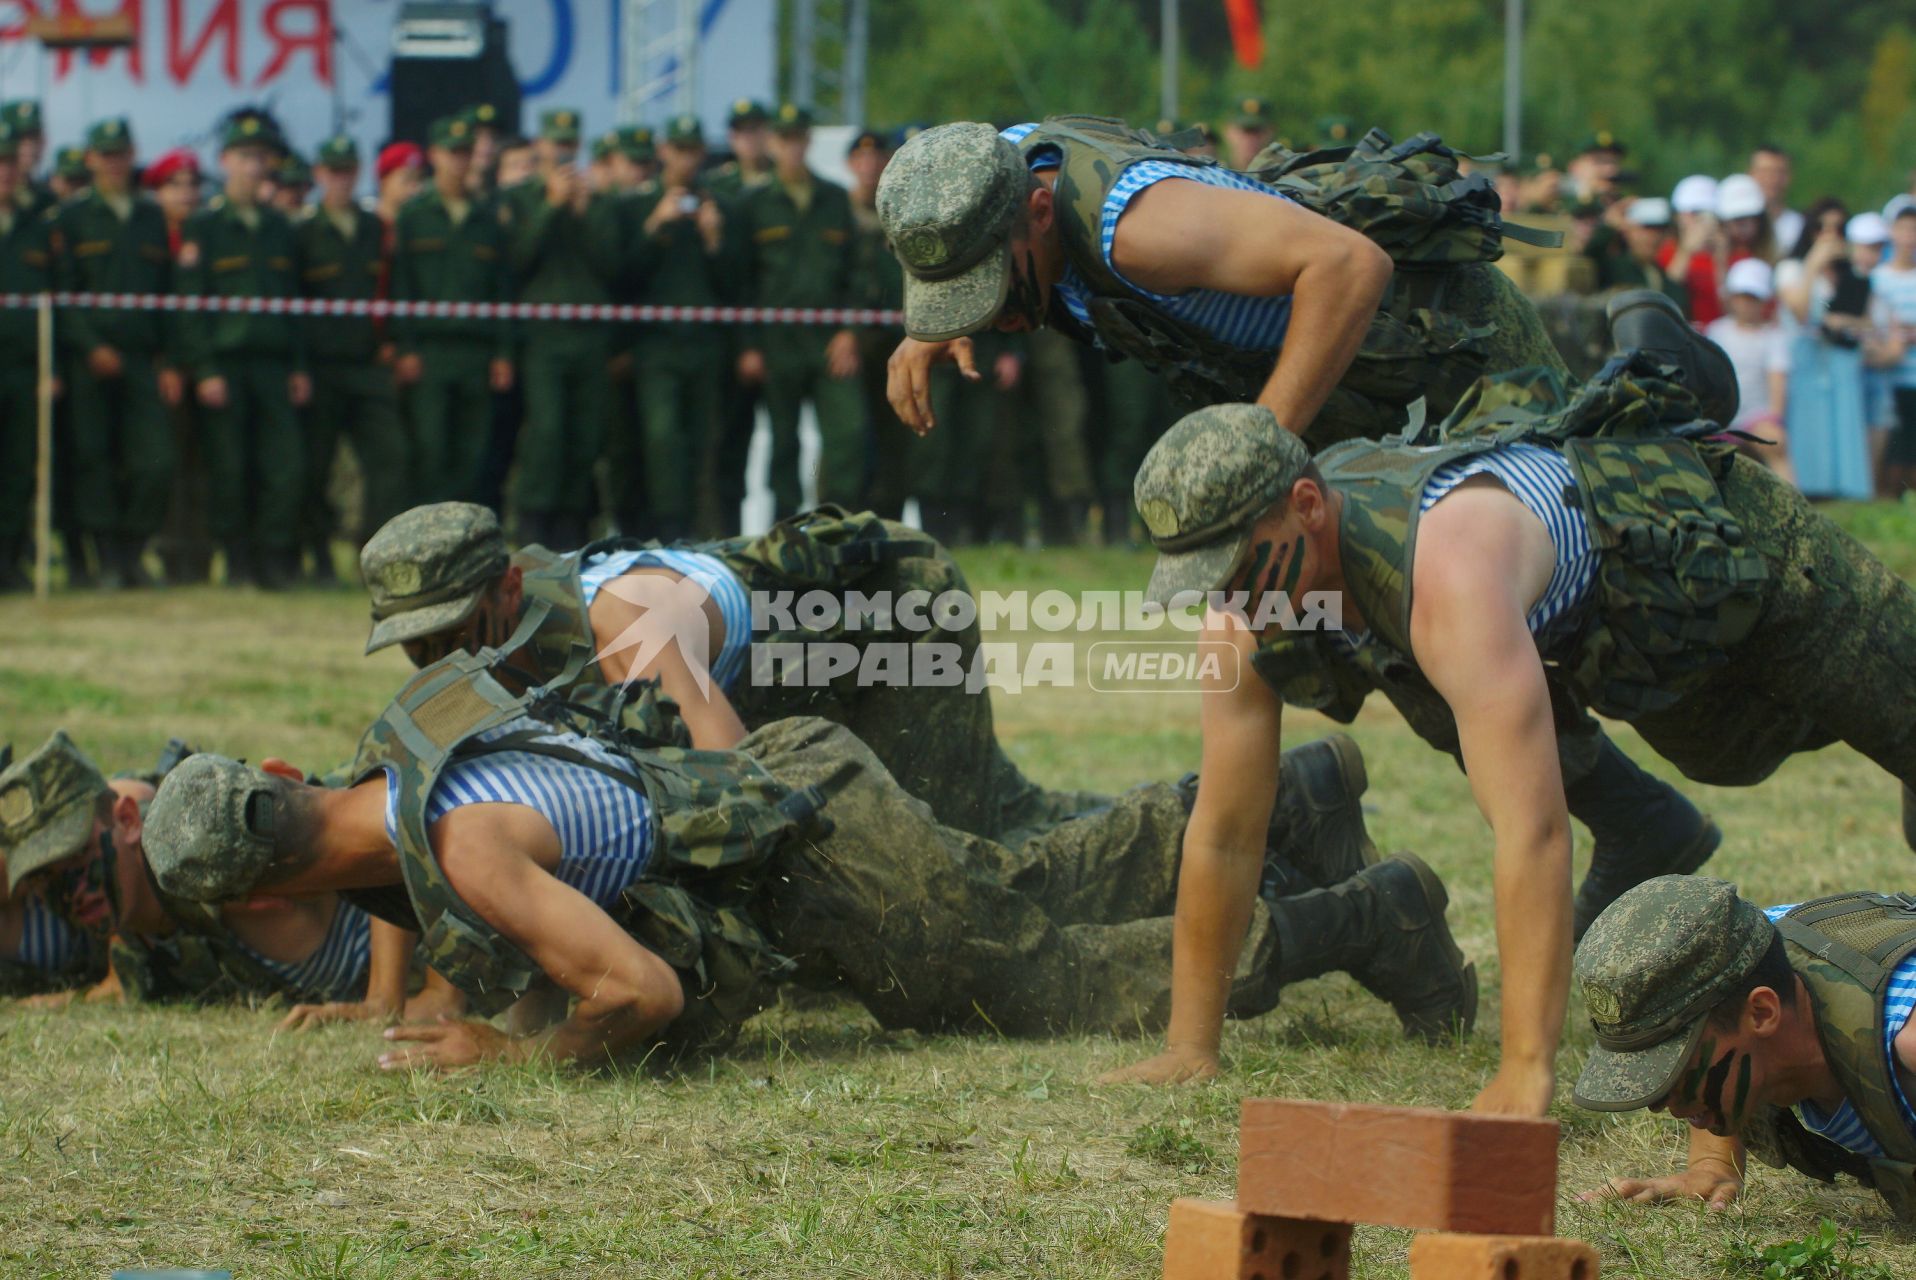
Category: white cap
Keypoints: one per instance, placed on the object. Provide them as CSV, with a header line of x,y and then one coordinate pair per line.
x,y
1649,211
1867,228
1695,194
1738,196
1896,205
1751,276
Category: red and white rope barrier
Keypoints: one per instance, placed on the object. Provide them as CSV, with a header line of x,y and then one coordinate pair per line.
x,y
615,312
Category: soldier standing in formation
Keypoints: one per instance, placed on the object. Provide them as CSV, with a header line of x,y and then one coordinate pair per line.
x,y
749,169
26,266
251,368
450,246
342,255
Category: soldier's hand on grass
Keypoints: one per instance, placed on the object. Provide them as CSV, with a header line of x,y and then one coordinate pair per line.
x,y
172,387
212,392
751,367
1517,1091
1717,1185
407,368
304,1016
1173,1066
104,362
49,1000
447,1043
501,371
299,388
841,354
908,377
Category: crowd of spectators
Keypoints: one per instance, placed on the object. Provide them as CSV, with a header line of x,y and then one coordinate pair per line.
x,y
1816,306
248,448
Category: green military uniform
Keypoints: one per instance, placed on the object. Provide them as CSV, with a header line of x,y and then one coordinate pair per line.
x,y
450,252
343,256
22,115
1722,622
26,266
562,256
680,366
255,457
1668,955
122,439
878,282
730,182
798,857
624,478
799,245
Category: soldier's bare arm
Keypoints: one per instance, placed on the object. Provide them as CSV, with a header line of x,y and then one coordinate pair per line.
x,y
908,377
1479,566
390,956
492,856
1179,236
1242,724
628,652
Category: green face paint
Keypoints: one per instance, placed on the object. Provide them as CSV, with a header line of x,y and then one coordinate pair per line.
x,y
1713,1084
1686,1090
1260,556
1290,563
1740,1107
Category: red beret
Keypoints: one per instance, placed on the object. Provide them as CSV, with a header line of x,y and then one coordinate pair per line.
x,y
178,160
400,155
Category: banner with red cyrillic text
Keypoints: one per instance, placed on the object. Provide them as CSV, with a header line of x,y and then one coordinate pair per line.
x,y
309,60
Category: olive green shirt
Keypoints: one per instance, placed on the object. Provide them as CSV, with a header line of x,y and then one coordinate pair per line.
x,y
336,265
797,257
101,252
438,258
670,266
558,255
232,253
26,266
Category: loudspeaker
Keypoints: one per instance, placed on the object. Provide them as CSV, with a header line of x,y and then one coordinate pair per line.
x,y
448,56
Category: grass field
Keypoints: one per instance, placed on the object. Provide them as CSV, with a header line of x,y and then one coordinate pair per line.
x,y
821,1146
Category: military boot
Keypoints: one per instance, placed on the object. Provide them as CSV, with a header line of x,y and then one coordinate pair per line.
x,y
12,577
324,573
1642,827
1647,320
132,552
112,553
1384,926
239,563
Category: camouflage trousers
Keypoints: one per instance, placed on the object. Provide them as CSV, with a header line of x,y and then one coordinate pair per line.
x,y
1832,657
937,740
934,928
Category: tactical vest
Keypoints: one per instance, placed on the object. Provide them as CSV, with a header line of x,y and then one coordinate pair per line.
x,y
718,816
1677,583
1409,198
1845,948
201,960
827,548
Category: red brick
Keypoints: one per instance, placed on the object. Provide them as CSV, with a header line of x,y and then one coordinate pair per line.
x,y
1410,1167
1215,1240
1448,1257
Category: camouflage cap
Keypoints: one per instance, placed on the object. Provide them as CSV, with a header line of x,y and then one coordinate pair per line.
x,y
46,806
559,125
1204,484
24,115
1252,113
209,833
1652,967
337,152
428,567
684,131
111,136
454,133
948,201
634,142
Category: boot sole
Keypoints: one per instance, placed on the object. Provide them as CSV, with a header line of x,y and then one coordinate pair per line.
x,y
1439,899
1624,303
1709,838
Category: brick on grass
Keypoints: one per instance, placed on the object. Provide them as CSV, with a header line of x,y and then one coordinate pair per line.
x,y
1216,1240
1414,1167
1454,1257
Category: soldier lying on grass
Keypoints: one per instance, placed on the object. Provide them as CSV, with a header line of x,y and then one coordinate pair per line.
x,y
537,843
